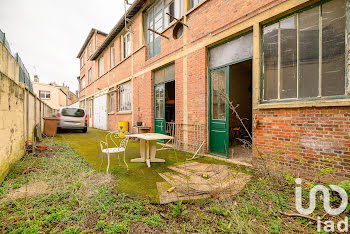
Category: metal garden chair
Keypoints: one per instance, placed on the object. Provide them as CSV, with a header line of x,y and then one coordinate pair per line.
x,y
114,148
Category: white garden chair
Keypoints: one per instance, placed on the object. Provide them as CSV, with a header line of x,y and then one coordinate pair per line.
x,y
114,148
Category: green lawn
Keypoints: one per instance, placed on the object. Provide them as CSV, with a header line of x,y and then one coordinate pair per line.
x,y
77,199
139,181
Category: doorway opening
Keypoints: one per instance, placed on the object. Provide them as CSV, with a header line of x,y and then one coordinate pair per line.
x,y
240,94
170,102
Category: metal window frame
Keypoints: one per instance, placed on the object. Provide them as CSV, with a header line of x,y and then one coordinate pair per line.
x,y
296,13
123,92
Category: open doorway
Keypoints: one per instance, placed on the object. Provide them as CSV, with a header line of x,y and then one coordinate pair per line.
x,y
170,102
240,93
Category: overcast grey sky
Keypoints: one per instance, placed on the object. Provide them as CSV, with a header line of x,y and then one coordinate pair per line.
x,y
48,34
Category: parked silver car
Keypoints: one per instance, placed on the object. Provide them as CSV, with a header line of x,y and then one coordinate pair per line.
x,y
72,118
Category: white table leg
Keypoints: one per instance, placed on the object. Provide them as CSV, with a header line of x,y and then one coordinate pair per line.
x,y
143,149
148,158
153,150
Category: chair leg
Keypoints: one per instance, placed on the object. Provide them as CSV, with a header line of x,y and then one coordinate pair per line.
x,y
118,158
108,163
127,167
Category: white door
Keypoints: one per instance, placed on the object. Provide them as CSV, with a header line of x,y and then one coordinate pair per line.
x,y
100,112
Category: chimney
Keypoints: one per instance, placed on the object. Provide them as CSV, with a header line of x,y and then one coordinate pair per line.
x,y
36,79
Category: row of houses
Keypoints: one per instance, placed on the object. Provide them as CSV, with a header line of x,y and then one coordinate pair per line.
x,y
282,63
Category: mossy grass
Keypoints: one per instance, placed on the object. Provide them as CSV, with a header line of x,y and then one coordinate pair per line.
x,y
139,181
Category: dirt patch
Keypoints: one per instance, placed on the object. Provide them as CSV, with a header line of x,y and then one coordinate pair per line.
x,y
49,152
199,180
140,228
29,190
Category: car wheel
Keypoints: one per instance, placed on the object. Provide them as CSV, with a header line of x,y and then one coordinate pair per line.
x,y
84,130
59,130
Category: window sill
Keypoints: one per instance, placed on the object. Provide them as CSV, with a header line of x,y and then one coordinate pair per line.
x,y
111,113
171,24
123,112
345,101
194,8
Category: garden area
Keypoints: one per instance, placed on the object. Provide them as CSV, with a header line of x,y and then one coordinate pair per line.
x,y
66,189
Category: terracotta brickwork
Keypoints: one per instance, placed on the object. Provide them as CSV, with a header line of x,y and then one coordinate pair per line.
x,y
310,133
318,136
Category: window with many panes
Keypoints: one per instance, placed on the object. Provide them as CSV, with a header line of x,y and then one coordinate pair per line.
x,y
126,50
111,100
157,20
100,67
304,54
112,56
90,75
124,97
44,94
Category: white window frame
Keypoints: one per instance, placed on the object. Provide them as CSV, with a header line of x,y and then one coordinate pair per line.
x,y
90,76
101,66
111,100
124,97
112,54
46,94
90,48
126,45
83,83
82,60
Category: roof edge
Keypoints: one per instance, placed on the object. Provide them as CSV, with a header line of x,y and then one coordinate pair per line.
x,y
131,12
91,33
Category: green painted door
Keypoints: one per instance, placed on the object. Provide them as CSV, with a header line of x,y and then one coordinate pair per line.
x,y
219,112
159,108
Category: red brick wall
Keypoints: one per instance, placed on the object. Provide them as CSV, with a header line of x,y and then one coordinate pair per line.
x,y
143,99
312,134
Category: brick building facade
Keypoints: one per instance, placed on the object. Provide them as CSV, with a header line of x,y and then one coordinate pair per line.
x,y
284,62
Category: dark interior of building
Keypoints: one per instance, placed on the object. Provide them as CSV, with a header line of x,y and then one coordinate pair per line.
x,y
170,101
241,97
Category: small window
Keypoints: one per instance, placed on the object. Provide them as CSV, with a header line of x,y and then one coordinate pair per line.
x,y
194,3
112,56
111,100
126,45
82,60
100,67
83,83
90,75
304,54
44,94
90,48
124,97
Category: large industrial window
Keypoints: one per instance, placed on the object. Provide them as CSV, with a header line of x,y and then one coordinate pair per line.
x,y
304,54
157,20
124,97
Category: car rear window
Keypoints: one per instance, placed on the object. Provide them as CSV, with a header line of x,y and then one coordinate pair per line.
x,y
73,112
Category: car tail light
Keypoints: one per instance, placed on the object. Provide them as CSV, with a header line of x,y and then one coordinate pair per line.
x,y
58,115
86,118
